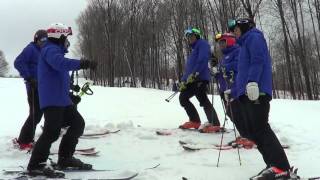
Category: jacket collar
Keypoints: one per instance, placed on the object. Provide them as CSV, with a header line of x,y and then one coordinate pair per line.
x,y
194,44
48,43
228,50
243,37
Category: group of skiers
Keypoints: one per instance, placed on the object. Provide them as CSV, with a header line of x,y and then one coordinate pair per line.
x,y
46,73
244,79
243,76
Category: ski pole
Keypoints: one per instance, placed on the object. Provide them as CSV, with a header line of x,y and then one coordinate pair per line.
x,y
234,129
223,127
171,96
224,123
33,110
231,114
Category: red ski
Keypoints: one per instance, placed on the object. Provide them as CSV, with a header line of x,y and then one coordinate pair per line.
x,y
168,132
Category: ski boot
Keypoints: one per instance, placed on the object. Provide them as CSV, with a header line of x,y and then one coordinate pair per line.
x,y
274,173
242,142
190,125
72,163
209,128
22,146
45,170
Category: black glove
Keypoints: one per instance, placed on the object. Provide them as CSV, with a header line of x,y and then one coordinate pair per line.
x,y
75,99
32,82
85,64
75,88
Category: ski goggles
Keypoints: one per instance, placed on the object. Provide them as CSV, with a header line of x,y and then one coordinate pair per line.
x,y
43,39
232,23
242,21
190,31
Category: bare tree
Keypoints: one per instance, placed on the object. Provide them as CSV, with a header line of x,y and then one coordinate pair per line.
x,y
251,7
4,68
141,43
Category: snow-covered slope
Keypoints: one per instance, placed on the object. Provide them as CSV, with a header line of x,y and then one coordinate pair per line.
x,y
140,112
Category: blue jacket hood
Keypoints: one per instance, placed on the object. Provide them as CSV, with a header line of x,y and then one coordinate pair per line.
x,y
252,31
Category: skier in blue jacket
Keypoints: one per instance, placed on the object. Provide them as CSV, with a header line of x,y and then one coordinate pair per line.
x,y
54,86
226,72
254,90
195,80
227,69
26,63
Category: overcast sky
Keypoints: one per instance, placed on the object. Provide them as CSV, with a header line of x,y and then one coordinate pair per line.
x,y
20,19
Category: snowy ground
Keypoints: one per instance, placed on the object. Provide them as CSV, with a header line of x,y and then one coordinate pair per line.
x,y
139,112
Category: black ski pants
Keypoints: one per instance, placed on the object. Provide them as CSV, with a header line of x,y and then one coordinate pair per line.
x,y
55,119
236,115
257,128
198,89
35,114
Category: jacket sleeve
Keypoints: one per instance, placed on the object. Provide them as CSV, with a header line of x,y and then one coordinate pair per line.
x,y
22,62
58,62
256,48
202,59
233,65
184,77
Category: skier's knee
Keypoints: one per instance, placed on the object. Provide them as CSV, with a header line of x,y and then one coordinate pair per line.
x,y
205,104
51,135
183,101
80,128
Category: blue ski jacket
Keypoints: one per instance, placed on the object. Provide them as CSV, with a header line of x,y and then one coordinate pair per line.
x,y
53,76
254,63
228,66
27,62
198,60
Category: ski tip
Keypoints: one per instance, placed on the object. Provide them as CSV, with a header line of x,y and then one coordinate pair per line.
x,y
163,133
94,153
86,149
153,167
187,148
182,142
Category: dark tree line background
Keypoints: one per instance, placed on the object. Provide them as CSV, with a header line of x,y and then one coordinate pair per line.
x,y
4,66
140,43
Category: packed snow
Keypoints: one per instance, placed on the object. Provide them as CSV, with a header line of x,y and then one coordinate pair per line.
x,y
139,112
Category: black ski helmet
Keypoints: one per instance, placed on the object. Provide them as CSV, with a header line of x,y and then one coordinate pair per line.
x,y
40,35
245,24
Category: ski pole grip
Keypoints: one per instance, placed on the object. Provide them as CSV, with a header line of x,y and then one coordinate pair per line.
x,y
85,89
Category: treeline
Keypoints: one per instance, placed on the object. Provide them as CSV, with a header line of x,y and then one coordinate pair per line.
x,y
140,43
4,66
294,44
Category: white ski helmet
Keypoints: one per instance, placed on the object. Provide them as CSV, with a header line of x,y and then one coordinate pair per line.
x,y
57,30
